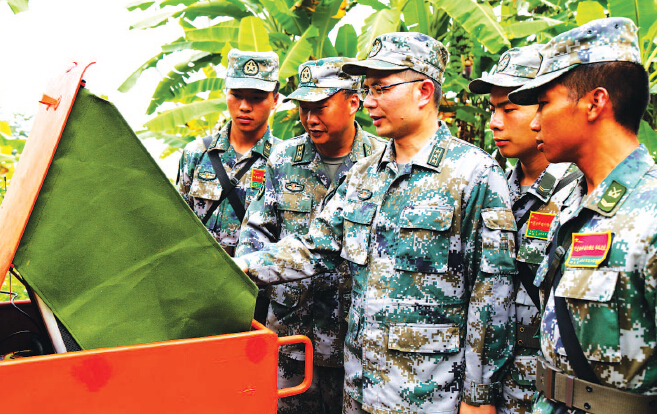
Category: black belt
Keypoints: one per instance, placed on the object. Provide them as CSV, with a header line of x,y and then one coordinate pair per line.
x,y
590,397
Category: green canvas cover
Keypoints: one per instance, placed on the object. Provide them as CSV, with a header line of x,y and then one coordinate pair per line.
x,y
116,253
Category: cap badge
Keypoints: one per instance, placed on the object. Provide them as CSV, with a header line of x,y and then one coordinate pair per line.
x,y
376,48
504,62
251,68
305,75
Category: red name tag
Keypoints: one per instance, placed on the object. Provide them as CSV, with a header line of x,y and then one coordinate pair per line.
x,y
539,224
589,249
257,177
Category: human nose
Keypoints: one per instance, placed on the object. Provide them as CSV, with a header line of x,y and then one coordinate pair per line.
x,y
496,121
369,101
245,105
535,125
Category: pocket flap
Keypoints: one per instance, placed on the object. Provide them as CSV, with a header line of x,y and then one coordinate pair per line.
x,y
427,218
588,284
361,212
499,219
300,203
422,338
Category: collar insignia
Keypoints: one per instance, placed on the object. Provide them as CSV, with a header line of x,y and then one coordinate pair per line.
x,y
612,196
436,156
298,153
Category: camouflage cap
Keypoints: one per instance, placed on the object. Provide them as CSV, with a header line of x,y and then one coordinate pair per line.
x,y
319,79
401,51
516,67
602,40
252,70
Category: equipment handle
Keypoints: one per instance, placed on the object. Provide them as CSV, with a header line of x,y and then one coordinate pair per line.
x,y
308,366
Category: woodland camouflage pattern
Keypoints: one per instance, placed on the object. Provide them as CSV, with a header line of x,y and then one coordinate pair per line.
x,y
252,70
519,388
408,50
603,40
613,305
199,185
432,257
515,67
293,192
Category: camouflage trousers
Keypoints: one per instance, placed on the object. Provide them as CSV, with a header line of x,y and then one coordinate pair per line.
x,y
518,386
351,406
324,395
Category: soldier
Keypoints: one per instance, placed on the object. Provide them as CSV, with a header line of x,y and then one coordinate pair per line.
x,y
219,176
242,145
299,173
427,230
538,190
598,336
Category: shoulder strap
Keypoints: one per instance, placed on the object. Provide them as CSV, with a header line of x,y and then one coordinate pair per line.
x,y
227,186
524,272
207,141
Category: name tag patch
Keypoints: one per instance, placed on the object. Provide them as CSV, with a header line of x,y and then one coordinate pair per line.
x,y
539,224
589,249
257,177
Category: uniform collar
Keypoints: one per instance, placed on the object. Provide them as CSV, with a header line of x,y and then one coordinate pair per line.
x,y
306,151
612,192
221,141
543,187
430,155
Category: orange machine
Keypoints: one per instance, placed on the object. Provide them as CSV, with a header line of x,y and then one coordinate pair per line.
x,y
232,373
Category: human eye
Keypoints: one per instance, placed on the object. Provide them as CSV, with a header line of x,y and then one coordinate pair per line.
x,y
509,110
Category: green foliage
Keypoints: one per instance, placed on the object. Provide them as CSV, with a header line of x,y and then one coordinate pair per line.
x,y
475,32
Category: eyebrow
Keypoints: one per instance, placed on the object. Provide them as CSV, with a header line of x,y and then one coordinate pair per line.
x,y
501,104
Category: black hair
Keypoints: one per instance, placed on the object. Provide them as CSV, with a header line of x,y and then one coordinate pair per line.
x,y
626,82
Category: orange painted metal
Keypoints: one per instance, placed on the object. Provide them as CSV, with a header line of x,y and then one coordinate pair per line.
x,y
234,373
39,150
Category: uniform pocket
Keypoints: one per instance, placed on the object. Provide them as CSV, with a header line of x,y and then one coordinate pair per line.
x,y
423,244
295,210
358,216
590,296
498,240
425,339
205,184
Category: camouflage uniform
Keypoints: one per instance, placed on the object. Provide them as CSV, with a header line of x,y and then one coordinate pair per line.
x,y
294,190
199,185
431,252
197,181
516,67
531,240
609,274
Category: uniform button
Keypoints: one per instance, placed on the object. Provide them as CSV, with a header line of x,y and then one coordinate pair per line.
x,y
589,389
587,406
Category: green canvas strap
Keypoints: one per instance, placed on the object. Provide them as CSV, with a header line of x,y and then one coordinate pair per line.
x,y
593,398
526,336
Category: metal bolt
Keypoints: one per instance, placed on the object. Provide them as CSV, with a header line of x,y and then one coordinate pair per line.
x,y
587,406
589,389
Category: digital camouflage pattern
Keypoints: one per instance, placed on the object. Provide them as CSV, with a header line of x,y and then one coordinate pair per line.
x,y
603,40
320,79
515,67
199,185
614,303
294,189
431,252
400,51
252,70
519,382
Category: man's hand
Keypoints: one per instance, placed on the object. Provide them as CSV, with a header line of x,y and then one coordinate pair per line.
x,y
241,263
482,409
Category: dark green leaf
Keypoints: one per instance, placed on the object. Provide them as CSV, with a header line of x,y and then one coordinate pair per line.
x,y
416,16
178,117
286,124
378,23
346,42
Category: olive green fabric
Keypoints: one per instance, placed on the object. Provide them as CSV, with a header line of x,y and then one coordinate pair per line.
x,y
116,253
